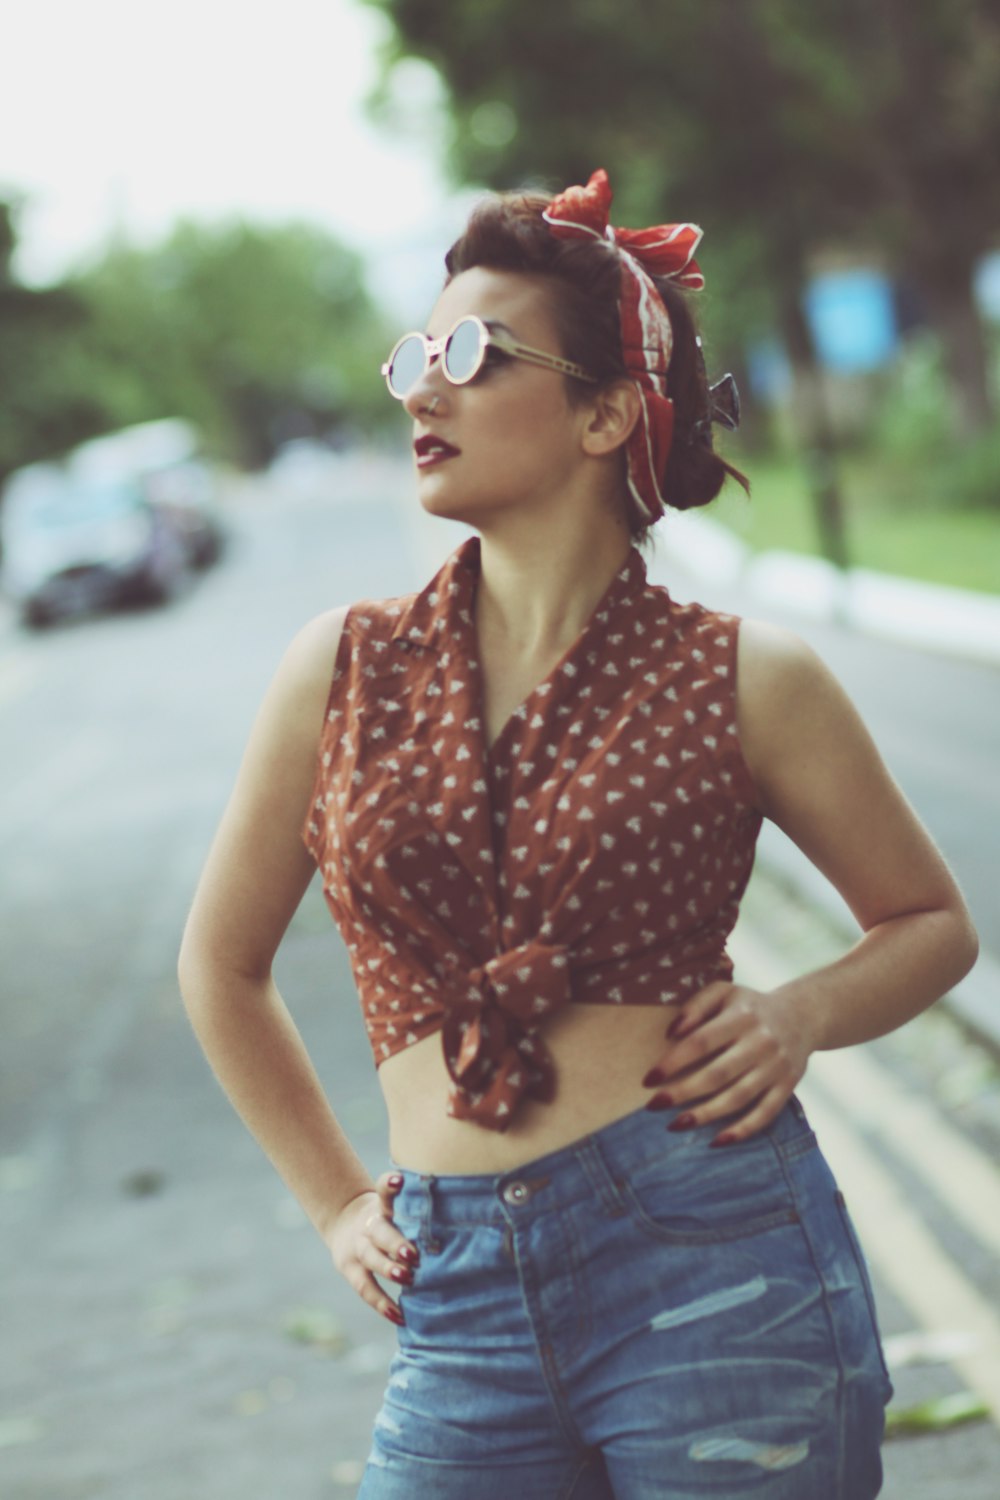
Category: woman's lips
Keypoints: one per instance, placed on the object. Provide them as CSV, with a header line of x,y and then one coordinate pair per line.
x,y
430,450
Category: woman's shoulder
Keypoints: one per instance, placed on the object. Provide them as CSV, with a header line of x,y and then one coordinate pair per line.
x,y
300,687
790,706
308,666
312,652
775,665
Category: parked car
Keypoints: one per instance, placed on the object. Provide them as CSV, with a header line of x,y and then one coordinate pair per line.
x,y
121,518
164,458
72,544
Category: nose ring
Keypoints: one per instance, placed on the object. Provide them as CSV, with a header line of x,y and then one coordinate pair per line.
x,y
431,406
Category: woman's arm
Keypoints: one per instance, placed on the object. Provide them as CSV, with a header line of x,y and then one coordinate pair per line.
x,y
820,778
255,876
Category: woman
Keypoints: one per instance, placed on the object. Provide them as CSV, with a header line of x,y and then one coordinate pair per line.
x,y
539,784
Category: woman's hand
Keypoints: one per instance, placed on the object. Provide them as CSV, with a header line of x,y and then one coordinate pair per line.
x,y
365,1243
734,1050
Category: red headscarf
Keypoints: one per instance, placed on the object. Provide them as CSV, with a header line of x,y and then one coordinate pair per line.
x,y
647,337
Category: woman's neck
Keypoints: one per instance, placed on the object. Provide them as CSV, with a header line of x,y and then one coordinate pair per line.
x,y
536,598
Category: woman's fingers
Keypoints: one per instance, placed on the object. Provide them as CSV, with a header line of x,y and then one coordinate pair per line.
x,y
383,1232
366,1244
387,1187
732,1050
369,1291
767,1109
702,1007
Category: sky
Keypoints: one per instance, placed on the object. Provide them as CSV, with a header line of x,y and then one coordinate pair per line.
x,y
118,117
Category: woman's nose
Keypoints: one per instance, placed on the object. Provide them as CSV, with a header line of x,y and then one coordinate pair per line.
x,y
431,387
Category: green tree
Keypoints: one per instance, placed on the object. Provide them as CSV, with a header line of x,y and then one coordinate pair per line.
x,y
45,404
255,333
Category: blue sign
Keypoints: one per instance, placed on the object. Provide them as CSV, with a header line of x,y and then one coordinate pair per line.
x,y
853,320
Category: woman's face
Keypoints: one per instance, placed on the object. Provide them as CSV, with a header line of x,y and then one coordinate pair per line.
x,y
510,438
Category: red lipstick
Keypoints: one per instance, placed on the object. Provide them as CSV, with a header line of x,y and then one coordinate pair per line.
x,y
429,450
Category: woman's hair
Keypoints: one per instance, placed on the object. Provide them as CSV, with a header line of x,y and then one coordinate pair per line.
x,y
506,232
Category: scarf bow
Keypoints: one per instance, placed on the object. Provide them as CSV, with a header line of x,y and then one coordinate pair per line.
x,y
662,250
647,336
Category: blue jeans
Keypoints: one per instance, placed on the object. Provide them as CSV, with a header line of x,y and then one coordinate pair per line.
x,y
635,1317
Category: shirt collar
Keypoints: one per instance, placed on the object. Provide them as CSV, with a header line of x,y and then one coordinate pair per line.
x,y
453,586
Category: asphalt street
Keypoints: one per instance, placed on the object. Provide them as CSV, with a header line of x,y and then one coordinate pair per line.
x,y
172,1327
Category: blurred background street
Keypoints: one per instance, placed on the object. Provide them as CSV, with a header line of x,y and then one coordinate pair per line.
x,y
213,226
172,1327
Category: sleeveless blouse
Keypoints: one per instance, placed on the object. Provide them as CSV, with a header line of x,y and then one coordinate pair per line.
x,y
596,854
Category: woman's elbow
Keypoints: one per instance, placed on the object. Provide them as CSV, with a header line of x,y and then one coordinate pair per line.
x,y
207,967
966,943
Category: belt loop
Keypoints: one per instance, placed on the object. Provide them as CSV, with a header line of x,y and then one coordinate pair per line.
x,y
428,1239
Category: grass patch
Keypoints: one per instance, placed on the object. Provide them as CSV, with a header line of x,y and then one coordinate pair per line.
x,y
952,545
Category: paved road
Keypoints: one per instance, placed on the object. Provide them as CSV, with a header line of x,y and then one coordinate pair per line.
x,y
155,1271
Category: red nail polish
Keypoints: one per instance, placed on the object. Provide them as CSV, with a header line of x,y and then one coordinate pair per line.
x,y
395,1181
660,1101
395,1316
727,1138
652,1078
408,1253
683,1122
401,1273
676,1028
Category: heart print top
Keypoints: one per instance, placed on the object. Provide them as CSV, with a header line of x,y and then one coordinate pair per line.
x,y
595,855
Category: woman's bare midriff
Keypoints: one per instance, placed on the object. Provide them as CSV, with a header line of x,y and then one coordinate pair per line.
x,y
601,1055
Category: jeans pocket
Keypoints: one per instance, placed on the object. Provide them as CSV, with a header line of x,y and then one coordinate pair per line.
x,y
695,1195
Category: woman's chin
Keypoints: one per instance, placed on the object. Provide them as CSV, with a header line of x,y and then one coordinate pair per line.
x,y
446,507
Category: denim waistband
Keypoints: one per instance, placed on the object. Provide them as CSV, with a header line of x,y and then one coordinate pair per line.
x,y
590,1167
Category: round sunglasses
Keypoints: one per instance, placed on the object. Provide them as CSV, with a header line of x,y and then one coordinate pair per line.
x,y
463,353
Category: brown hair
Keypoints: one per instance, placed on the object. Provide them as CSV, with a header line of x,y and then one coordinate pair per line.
x,y
506,232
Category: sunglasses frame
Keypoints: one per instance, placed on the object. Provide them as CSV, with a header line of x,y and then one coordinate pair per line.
x,y
434,348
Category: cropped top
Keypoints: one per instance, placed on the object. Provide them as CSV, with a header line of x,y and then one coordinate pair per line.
x,y
595,854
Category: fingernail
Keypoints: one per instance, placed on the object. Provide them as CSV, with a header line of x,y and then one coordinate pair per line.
x,y
727,1138
396,1180
683,1122
395,1316
660,1101
676,1028
652,1078
401,1273
410,1253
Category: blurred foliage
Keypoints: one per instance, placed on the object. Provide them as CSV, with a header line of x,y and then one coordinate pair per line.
x,y
937,1415
46,403
908,437
865,124
901,520
255,334
913,418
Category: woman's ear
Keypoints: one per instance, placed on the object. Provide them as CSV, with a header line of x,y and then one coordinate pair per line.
x,y
612,414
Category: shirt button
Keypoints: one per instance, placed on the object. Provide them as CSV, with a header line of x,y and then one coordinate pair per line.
x,y
516,1192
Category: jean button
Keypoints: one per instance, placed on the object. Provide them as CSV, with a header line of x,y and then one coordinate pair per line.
x,y
516,1192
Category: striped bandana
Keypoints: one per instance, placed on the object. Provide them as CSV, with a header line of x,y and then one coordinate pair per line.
x,y
647,337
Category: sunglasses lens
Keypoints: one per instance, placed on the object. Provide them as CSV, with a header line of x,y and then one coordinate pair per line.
x,y
463,354
408,364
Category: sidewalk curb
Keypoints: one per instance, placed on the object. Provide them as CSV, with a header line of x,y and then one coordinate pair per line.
x,y
929,616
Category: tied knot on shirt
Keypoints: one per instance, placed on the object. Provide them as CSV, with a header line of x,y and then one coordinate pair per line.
x,y
490,1044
